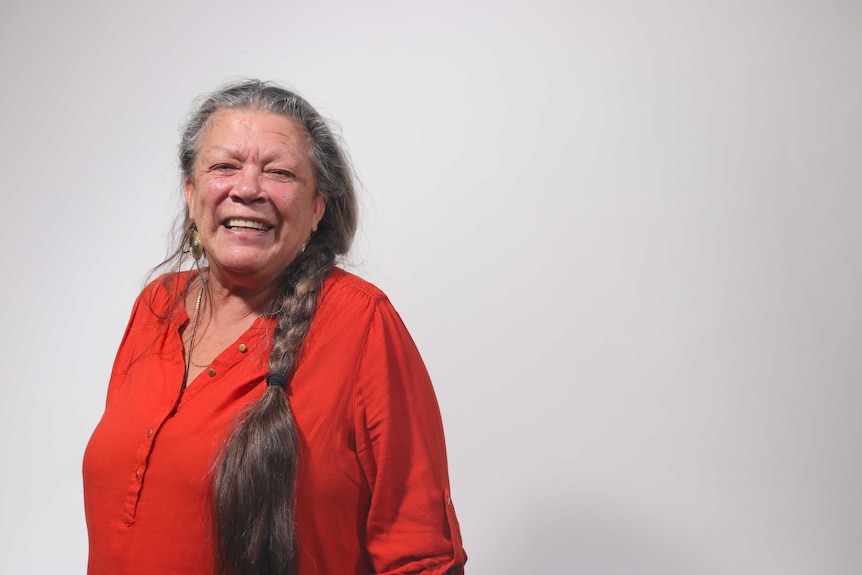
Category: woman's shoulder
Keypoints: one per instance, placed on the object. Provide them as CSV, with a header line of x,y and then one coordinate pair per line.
x,y
343,284
351,309
349,300
165,291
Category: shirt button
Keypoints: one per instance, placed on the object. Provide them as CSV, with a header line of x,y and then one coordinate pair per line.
x,y
211,372
149,433
137,473
242,348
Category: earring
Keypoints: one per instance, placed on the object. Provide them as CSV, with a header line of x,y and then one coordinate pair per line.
x,y
305,245
196,248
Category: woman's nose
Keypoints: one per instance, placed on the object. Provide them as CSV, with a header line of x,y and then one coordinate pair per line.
x,y
248,188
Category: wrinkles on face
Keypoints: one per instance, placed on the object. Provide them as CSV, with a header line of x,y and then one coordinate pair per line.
x,y
253,193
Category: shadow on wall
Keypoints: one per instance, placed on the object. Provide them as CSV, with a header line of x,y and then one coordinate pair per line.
x,y
589,538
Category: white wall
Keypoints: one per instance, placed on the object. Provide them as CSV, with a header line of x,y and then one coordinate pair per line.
x,y
625,234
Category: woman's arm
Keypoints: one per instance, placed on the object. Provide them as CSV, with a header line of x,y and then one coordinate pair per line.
x,y
411,525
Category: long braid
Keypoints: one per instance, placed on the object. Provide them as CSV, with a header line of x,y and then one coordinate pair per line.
x,y
256,478
296,307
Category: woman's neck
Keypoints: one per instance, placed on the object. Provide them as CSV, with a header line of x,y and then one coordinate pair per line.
x,y
230,303
230,306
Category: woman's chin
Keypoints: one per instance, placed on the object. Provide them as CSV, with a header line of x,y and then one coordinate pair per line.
x,y
243,269
247,271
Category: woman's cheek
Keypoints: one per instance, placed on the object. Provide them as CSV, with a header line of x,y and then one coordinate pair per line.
x,y
218,186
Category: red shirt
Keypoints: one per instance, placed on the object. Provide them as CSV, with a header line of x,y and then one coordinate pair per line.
x,y
372,486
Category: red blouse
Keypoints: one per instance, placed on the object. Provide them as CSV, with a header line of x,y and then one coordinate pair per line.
x,y
372,487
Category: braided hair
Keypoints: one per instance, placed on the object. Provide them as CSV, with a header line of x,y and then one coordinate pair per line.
x,y
255,476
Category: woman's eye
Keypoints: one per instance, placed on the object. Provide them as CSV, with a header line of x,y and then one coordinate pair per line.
x,y
283,173
221,168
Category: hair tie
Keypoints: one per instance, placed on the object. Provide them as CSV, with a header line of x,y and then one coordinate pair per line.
x,y
276,379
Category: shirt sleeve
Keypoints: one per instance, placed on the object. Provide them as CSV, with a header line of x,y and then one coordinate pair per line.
x,y
411,526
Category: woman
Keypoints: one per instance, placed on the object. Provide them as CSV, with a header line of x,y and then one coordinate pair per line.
x,y
267,412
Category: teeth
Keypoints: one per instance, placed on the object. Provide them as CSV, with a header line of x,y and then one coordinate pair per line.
x,y
246,224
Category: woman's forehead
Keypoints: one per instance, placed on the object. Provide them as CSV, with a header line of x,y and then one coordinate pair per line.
x,y
236,130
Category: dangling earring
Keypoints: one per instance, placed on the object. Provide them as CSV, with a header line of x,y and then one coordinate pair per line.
x,y
305,245
193,240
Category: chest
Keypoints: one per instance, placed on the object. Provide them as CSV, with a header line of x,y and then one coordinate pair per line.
x,y
156,432
205,343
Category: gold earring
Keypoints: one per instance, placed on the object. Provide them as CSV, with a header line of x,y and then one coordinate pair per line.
x,y
196,248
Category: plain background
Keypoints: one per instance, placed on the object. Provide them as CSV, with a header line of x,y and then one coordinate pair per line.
x,y
625,235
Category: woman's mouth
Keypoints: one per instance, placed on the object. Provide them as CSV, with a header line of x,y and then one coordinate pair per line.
x,y
242,225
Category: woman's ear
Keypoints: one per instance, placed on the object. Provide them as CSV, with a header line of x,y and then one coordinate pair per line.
x,y
189,193
319,210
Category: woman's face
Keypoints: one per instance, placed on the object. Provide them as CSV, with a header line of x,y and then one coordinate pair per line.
x,y
253,195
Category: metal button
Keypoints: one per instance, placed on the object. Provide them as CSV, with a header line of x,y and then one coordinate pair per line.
x,y
137,473
242,348
211,372
149,433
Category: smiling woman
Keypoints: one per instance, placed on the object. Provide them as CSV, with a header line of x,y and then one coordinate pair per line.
x,y
252,195
268,413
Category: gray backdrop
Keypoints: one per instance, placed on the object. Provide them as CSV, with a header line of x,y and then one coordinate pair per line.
x,y
625,235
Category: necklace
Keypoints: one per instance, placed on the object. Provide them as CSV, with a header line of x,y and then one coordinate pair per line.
x,y
194,332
